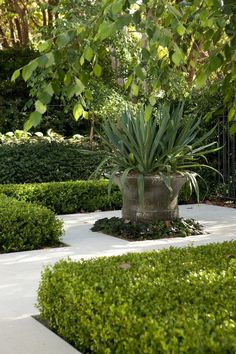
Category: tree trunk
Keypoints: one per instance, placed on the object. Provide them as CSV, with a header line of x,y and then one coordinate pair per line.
x,y
18,28
51,5
3,39
92,129
44,18
21,22
12,31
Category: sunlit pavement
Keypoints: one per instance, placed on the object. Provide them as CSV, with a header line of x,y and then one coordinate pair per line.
x,y
20,272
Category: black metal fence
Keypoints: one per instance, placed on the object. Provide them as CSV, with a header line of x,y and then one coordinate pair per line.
x,y
227,157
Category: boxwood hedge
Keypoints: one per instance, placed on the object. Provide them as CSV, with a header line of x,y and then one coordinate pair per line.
x,y
67,197
25,226
172,301
45,162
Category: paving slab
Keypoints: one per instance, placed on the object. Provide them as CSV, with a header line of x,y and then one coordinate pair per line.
x,y
20,272
28,336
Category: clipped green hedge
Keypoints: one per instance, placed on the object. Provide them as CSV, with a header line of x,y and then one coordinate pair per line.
x,y
172,301
25,226
45,162
67,197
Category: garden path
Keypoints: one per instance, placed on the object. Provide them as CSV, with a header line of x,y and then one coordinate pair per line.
x,y
20,272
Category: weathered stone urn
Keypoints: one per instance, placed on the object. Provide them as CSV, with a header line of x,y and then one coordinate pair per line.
x,y
159,202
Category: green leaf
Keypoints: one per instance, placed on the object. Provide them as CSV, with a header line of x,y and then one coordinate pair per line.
x,y
51,60
78,111
33,121
105,3
70,91
44,97
40,107
81,61
128,82
105,30
88,53
201,79
67,79
174,11
45,46
140,72
232,129
137,17
177,57
181,29
79,86
117,7
122,21
42,60
208,116
148,112
231,114
134,89
15,75
79,29
85,115
29,69
167,180
215,62
49,89
62,40
152,100
88,95
97,69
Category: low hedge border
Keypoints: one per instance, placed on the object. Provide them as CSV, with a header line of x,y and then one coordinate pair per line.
x,y
171,301
25,226
67,197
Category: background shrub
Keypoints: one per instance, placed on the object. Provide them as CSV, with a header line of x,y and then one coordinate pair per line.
x,y
67,197
172,301
16,101
25,226
45,162
13,95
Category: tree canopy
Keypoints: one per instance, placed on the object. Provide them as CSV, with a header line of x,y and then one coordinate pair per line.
x,y
177,44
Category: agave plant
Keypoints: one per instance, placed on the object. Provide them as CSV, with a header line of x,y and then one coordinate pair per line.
x,y
163,145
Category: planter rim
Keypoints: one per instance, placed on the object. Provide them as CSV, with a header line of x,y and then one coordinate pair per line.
x,y
154,176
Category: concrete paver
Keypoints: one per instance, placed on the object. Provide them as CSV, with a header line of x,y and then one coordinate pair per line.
x,y
28,336
20,272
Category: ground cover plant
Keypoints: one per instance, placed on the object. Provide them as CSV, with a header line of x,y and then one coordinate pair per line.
x,y
25,226
171,301
67,197
147,231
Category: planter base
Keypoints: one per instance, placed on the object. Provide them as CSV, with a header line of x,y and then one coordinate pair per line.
x,y
159,202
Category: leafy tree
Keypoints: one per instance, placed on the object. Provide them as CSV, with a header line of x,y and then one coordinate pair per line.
x,y
23,22
180,45
105,92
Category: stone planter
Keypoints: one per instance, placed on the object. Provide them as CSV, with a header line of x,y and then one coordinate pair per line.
x,y
159,202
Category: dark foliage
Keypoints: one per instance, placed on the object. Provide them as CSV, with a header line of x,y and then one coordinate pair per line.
x,y
45,162
147,231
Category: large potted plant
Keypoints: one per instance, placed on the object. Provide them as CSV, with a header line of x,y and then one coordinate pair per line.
x,y
151,157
